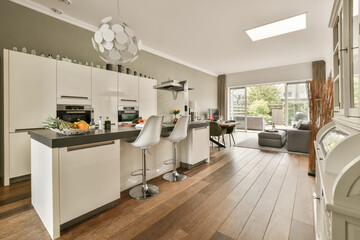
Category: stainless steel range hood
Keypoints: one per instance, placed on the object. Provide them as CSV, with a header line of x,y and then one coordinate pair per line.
x,y
175,87
172,85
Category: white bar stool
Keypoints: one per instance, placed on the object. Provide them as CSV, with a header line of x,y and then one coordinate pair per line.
x,y
178,133
149,136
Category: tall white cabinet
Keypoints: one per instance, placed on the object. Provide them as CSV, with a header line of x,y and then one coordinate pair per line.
x,y
147,97
32,87
104,94
29,90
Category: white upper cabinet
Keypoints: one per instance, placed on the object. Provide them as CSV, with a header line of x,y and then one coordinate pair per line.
x,y
104,94
73,83
32,84
147,97
128,90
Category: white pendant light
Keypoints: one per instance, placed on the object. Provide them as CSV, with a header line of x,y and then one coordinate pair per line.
x,y
115,42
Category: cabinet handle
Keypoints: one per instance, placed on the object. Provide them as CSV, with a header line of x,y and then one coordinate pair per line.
x,y
315,197
27,129
344,49
128,100
70,112
89,145
74,97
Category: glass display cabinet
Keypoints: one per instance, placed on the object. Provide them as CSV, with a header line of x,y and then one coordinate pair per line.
x,y
344,21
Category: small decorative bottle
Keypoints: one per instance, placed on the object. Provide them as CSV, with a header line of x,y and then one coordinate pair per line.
x,y
107,124
100,127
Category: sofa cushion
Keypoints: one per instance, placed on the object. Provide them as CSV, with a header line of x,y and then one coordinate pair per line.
x,y
304,126
280,134
298,124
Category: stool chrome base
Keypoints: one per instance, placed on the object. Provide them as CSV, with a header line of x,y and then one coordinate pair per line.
x,y
174,176
139,192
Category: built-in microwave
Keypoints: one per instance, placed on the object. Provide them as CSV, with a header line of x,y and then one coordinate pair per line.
x,y
127,114
72,113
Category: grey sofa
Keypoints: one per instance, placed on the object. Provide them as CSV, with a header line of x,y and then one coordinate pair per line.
x,y
298,139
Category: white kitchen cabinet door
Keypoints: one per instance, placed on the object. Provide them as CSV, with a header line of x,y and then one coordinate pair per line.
x,y
19,154
128,90
200,143
32,90
89,178
147,97
104,94
195,147
73,83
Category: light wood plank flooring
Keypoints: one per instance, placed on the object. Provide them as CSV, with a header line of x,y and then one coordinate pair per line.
x,y
241,194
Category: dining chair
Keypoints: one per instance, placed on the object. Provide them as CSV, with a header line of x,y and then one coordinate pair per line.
x,y
217,131
230,131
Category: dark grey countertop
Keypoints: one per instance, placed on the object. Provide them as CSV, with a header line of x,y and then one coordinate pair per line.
x,y
56,140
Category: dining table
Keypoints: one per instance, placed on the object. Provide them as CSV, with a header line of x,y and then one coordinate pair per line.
x,y
226,124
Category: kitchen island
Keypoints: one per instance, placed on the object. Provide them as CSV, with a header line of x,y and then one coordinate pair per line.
x,y
76,176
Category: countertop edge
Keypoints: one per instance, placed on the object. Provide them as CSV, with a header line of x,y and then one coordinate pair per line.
x,y
56,140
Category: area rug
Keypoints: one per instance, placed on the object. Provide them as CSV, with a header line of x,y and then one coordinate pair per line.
x,y
252,142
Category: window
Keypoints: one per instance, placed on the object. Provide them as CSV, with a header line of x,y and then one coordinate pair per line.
x,y
268,103
237,104
284,26
298,104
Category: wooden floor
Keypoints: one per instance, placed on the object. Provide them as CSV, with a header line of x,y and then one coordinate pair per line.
x,y
242,194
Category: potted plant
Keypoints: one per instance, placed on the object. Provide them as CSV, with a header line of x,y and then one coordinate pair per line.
x,y
175,112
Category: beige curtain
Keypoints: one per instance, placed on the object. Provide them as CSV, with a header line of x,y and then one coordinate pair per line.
x,y
221,98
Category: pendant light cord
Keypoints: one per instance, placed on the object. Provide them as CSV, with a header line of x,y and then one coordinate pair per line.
x,y
118,10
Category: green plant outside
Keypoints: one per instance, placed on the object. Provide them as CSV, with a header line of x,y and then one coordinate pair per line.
x,y
260,108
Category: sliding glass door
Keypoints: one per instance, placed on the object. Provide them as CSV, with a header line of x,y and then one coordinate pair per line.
x,y
237,106
298,103
257,106
266,105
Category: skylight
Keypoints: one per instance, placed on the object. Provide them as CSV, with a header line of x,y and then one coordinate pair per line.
x,y
278,28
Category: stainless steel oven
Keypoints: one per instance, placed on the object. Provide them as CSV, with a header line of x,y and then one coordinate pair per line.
x,y
127,114
72,113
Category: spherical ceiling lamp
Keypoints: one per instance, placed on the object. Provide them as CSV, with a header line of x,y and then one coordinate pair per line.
x,y
115,42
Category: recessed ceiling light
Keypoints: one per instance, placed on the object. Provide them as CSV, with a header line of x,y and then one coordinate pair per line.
x,y
67,2
58,11
287,25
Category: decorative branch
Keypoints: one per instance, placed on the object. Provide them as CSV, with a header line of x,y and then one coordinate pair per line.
x,y
321,110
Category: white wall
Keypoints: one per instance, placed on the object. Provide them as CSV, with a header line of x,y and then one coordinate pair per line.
x,y
288,73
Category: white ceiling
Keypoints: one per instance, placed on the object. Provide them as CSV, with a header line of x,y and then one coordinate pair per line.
x,y
209,34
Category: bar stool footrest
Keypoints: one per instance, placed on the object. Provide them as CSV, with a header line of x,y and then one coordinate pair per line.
x,y
169,162
138,172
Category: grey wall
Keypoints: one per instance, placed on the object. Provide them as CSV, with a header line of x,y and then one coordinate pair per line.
x,y
20,26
